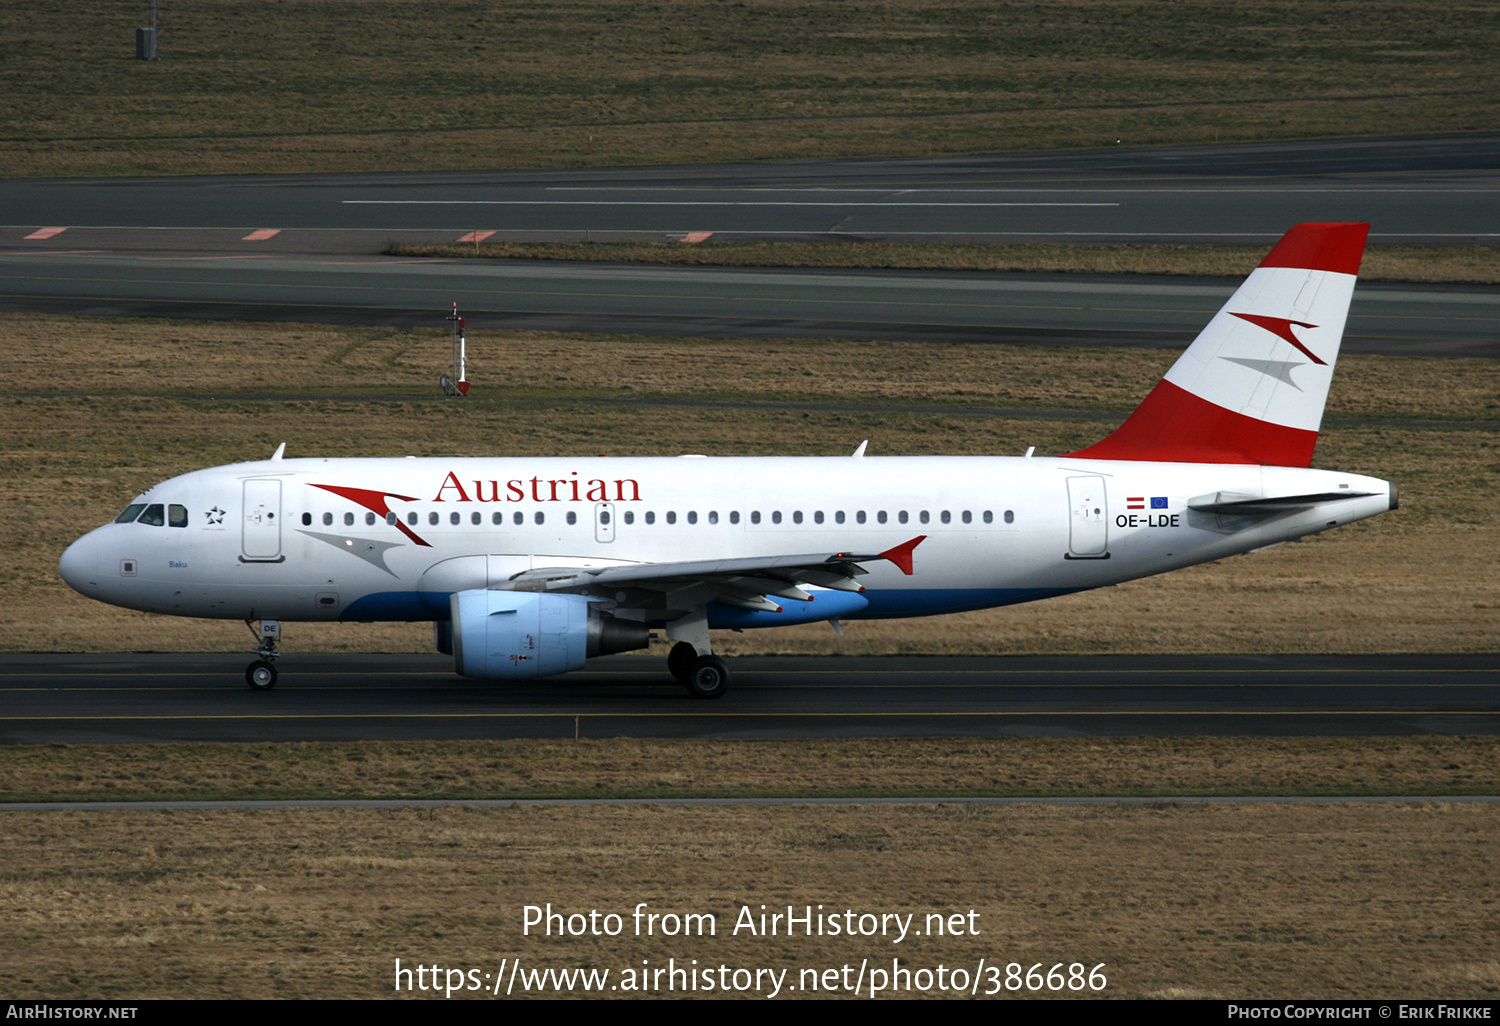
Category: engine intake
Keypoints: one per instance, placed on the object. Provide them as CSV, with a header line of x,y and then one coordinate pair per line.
x,y
511,635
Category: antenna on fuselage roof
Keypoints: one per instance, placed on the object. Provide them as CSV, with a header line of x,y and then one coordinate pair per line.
x,y
458,384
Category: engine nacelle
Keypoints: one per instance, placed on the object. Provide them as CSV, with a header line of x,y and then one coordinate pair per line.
x,y
517,635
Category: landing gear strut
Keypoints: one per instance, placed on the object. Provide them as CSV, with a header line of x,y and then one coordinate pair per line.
x,y
261,674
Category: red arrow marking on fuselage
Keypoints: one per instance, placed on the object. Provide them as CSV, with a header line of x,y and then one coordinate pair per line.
x,y
1281,327
901,554
375,502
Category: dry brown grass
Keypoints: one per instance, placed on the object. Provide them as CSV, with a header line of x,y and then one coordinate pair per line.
x,y
339,85
1452,264
1321,901
633,768
144,414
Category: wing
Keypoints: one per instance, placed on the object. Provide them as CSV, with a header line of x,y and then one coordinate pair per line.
x,y
666,590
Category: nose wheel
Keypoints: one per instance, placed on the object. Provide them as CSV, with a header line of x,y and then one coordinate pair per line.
x,y
261,674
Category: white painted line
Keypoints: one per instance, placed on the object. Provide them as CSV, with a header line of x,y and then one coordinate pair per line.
x,y
687,203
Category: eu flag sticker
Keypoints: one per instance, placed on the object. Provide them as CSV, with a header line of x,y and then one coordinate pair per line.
x,y
1158,502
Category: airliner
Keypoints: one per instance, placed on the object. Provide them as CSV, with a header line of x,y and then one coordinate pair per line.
x,y
528,568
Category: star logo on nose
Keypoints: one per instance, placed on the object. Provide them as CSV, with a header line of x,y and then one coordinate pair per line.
x,y
215,515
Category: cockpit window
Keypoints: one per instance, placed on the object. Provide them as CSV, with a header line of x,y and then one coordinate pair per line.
x,y
131,512
155,515
177,515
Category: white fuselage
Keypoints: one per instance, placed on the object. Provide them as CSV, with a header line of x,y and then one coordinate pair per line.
x,y
393,539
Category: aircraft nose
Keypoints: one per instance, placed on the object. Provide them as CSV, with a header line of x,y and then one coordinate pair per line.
x,y
80,566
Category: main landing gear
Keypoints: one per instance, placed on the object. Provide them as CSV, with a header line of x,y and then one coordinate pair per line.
x,y
705,676
261,674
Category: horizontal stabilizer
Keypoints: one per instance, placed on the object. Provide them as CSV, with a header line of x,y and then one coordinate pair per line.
x,y
1230,502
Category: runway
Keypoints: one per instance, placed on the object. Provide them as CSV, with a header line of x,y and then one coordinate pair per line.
x,y
144,698
307,248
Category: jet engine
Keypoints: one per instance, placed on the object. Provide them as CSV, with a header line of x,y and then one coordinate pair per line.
x,y
515,635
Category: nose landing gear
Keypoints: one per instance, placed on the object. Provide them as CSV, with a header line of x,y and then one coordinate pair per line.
x,y
261,674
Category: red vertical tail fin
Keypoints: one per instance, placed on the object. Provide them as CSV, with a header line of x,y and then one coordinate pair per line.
x,y
1252,386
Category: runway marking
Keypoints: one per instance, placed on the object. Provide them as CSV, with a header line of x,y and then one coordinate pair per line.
x,y
746,715
1031,190
180,259
707,203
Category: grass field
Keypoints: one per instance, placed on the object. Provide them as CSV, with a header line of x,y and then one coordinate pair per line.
x,y
340,85
1319,901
